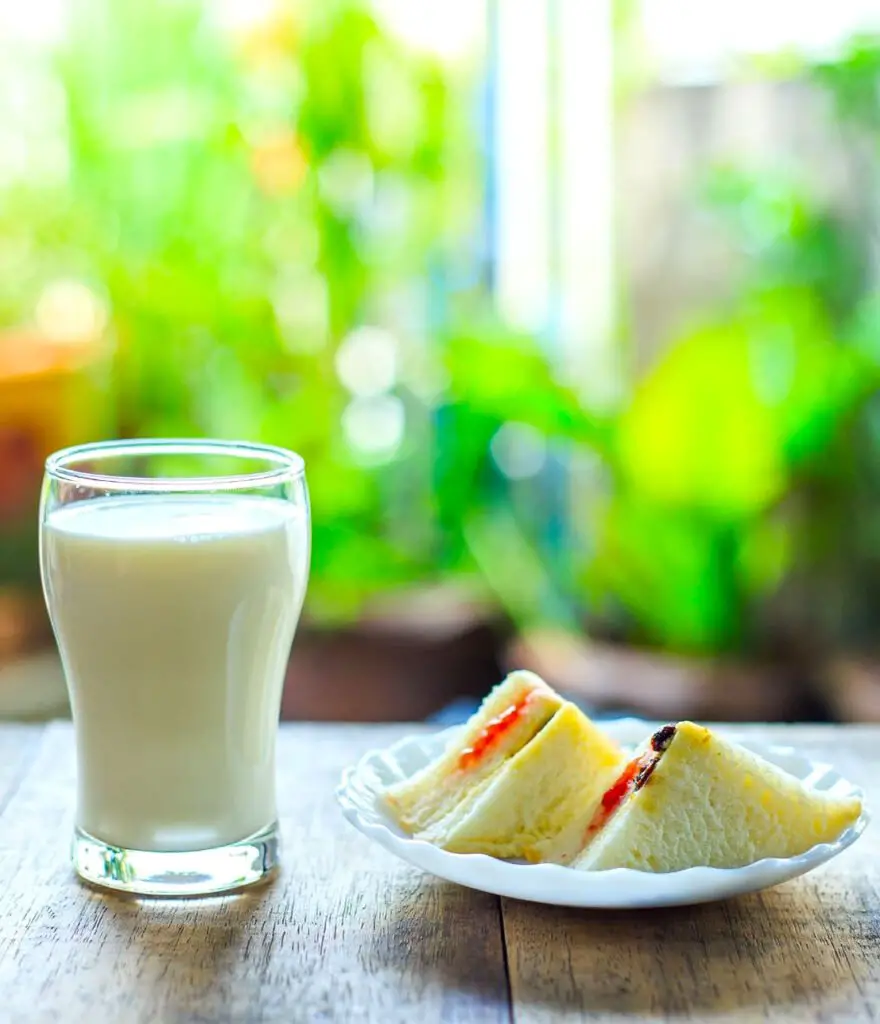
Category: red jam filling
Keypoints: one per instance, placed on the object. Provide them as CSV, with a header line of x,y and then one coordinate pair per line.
x,y
615,795
632,778
495,728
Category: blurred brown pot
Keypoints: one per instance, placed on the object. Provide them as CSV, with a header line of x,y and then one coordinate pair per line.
x,y
658,685
24,624
851,688
406,658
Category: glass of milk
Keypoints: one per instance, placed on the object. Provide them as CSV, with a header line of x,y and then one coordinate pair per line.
x,y
174,573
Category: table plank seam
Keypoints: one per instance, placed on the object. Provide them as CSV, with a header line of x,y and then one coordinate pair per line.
x,y
505,960
347,934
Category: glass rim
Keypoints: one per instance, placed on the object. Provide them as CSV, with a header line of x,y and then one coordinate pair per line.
x,y
289,465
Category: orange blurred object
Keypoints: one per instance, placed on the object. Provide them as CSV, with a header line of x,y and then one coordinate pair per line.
x,y
49,397
278,163
47,401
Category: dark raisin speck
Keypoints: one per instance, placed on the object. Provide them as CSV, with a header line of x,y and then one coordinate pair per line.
x,y
645,773
662,737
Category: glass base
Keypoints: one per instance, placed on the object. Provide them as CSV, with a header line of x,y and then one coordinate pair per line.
x,y
196,873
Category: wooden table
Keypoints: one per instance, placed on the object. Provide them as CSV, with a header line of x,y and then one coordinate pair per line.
x,y
347,933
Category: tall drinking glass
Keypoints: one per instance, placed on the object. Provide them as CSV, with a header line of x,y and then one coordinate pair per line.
x,y
174,573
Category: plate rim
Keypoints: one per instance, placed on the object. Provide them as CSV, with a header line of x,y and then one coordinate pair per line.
x,y
644,888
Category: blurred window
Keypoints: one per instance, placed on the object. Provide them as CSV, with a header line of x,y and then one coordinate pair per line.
x,y
550,194
692,40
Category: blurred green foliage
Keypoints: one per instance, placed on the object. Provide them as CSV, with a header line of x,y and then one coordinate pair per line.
x,y
244,201
744,506
735,510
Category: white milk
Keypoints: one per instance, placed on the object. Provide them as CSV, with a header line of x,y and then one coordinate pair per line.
x,y
175,615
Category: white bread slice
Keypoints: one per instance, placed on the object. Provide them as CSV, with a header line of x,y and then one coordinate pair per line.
x,y
701,800
539,802
507,719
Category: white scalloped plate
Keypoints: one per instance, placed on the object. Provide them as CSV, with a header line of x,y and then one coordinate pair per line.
x,y
359,795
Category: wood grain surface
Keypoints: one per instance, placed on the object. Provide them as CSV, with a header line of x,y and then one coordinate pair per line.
x,y
347,933
806,951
